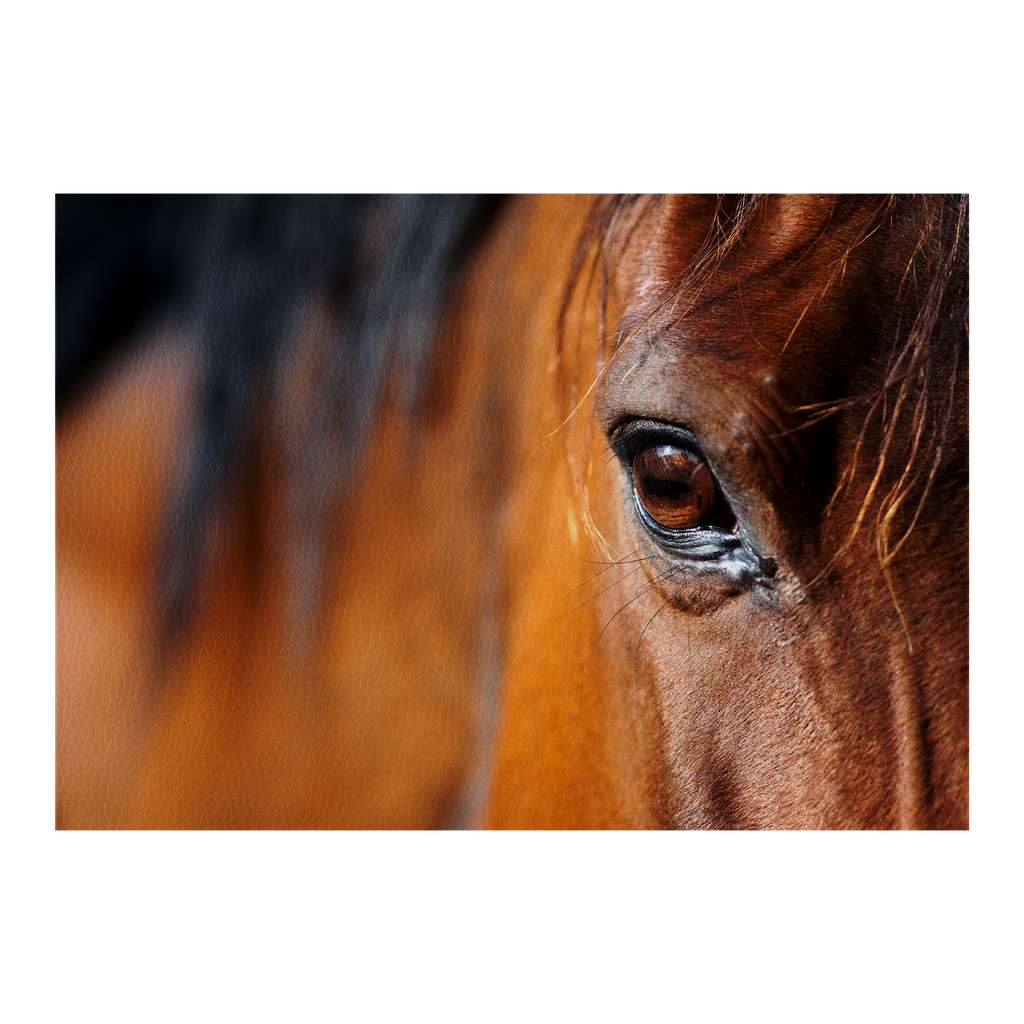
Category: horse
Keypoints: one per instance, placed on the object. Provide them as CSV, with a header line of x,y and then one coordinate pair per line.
x,y
512,512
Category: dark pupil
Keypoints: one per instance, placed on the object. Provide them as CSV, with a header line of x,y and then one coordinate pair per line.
x,y
671,489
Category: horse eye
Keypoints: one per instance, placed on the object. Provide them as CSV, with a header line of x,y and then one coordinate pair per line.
x,y
675,487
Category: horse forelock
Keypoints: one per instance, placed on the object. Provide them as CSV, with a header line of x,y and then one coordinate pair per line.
x,y
913,401
672,259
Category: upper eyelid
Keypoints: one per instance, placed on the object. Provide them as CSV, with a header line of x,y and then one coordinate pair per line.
x,y
631,437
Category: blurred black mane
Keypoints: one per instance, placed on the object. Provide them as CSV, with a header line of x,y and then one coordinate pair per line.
x,y
236,273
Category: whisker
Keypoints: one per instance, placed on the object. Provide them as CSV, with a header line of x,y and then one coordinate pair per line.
x,y
594,597
607,566
608,623
637,651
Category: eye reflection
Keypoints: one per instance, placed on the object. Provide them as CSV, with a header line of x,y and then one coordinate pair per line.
x,y
675,487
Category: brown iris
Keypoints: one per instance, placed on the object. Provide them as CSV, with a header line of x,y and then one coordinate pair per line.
x,y
674,486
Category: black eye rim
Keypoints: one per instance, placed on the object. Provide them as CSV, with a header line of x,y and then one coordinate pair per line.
x,y
630,438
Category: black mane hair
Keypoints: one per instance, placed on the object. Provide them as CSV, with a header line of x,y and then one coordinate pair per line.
x,y
236,273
